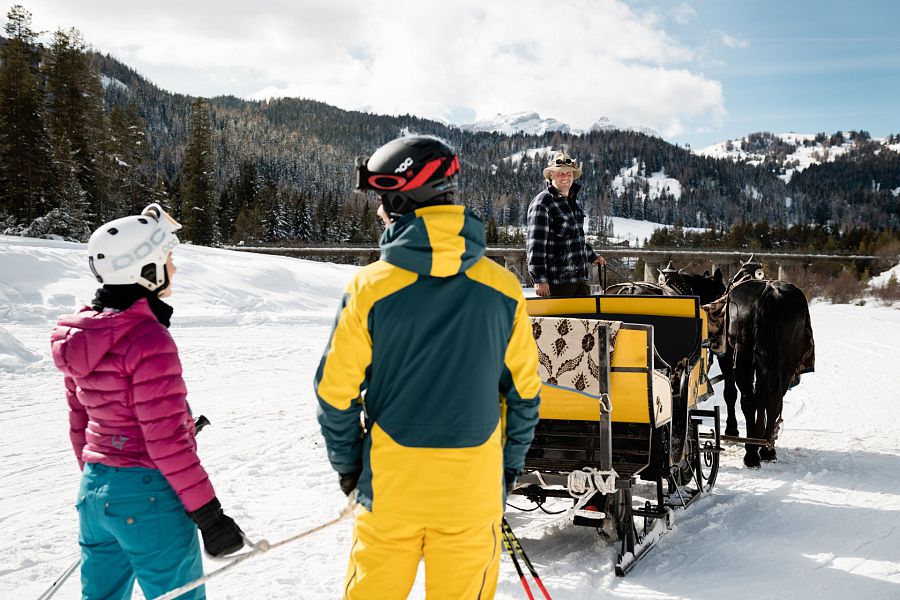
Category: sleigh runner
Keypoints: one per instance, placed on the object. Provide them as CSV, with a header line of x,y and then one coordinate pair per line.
x,y
622,380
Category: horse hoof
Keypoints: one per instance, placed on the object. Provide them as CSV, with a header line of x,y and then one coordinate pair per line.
x,y
731,431
751,461
767,454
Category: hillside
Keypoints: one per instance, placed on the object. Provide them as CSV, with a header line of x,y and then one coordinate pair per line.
x,y
850,171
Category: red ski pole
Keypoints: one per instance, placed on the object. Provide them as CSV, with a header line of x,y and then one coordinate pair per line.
x,y
509,535
507,543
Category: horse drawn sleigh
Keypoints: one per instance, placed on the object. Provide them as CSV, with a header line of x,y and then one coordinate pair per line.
x,y
621,430
623,378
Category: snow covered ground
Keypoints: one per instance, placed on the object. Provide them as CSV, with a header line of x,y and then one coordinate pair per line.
x,y
637,232
657,183
823,522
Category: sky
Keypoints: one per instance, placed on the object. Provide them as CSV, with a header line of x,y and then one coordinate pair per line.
x,y
697,71
818,524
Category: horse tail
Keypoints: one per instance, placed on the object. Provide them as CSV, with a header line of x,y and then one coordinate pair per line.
x,y
767,350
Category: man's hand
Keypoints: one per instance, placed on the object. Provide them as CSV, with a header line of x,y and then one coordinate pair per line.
x,y
542,289
599,261
348,481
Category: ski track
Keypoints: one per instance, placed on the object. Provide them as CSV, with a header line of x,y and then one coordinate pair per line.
x,y
822,522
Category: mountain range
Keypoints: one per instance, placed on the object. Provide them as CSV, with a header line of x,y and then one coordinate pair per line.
x,y
531,123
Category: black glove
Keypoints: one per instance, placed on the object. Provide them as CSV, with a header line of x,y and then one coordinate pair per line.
x,y
349,481
510,478
221,535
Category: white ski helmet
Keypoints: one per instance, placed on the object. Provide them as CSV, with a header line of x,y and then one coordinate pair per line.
x,y
134,249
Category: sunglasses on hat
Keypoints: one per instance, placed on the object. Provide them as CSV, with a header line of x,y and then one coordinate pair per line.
x,y
564,161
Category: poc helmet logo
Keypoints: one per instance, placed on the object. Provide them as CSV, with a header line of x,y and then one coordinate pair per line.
x,y
407,163
143,250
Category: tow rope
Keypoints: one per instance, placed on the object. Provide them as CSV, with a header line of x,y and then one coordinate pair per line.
x,y
260,547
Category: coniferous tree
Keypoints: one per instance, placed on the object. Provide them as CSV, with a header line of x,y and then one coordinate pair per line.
x,y
24,146
78,126
129,152
199,213
301,219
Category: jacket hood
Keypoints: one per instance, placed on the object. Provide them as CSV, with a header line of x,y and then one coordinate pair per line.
x,y
438,241
80,341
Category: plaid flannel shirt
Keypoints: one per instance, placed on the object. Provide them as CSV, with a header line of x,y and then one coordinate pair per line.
x,y
556,249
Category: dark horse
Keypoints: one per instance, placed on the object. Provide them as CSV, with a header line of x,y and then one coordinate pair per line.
x,y
765,343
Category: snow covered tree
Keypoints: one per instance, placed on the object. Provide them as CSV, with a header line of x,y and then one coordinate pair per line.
x,y
199,211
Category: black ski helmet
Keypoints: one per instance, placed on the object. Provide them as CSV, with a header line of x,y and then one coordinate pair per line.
x,y
409,173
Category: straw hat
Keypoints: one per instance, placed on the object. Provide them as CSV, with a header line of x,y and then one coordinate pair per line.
x,y
562,162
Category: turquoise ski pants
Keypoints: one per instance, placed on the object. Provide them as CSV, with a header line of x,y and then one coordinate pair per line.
x,y
132,525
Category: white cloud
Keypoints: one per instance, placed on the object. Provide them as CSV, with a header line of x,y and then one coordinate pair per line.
x,y
731,41
573,61
683,13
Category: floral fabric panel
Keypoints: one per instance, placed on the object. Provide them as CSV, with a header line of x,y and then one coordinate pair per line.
x,y
575,353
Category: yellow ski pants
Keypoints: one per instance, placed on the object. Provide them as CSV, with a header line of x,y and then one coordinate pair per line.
x,y
461,562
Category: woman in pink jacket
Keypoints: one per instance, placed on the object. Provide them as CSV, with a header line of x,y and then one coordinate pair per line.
x,y
143,491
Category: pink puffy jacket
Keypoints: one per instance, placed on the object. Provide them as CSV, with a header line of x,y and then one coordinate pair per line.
x,y
127,399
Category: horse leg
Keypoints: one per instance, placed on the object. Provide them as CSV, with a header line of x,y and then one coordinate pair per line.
x,y
730,392
743,376
761,429
771,420
774,405
751,451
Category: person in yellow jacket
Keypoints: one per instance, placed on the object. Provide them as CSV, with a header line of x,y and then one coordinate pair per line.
x,y
428,388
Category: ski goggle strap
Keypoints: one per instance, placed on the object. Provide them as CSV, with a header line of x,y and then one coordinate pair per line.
x,y
156,211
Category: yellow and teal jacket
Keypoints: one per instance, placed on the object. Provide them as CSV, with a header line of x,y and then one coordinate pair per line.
x,y
433,347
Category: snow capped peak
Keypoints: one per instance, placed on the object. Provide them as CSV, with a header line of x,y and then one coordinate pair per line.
x,y
520,122
604,124
532,123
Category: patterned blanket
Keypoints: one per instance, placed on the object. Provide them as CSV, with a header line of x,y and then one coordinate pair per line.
x,y
572,351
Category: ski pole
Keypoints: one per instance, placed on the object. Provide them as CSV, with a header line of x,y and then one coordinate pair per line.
x,y
507,543
54,587
508,534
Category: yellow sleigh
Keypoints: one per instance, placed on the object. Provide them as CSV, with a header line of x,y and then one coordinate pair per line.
x,y
623,376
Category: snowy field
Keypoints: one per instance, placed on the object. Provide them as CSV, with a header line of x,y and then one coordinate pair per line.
x,y
823,522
